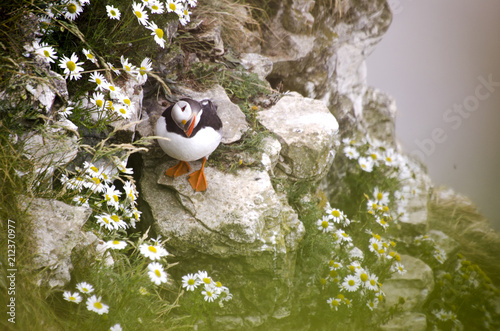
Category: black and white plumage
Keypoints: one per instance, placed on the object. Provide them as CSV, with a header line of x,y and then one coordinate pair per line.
x,y
193,130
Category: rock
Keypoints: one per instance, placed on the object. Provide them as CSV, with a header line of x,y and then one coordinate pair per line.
x,y
258,64
306,131
56,231
49,150
238,214
328,61
271,149
444,242
233,120
406,321
379,116
414,286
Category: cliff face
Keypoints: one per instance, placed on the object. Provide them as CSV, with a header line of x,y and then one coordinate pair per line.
x,y
278,170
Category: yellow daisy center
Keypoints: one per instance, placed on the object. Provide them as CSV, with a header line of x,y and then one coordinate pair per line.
x,y
324,224
112,88
71,65
351,282
72,298
115,242
127,102
99,103
115,218
373,282
335,303
113,13
154,7
380,196
96,180
94,169
98,81
71,8
138,13
98,305
206,280
159,33
336,213
105,220
363,277
172,6
191,282
46,53
142,70
152,249
90,56
123,111
157,273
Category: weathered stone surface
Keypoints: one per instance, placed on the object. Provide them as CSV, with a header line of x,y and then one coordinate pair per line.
x,y
306,131
233,120
414,286
238,214
328,61
406,321
56,231
379,116
257,63
443,241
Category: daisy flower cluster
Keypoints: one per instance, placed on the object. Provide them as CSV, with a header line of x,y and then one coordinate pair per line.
x,y
468,284
93,302
427,244
210,290
349,274
94,188
371,155
155,252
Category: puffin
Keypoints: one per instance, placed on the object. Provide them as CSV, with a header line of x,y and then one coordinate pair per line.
x,y
193,131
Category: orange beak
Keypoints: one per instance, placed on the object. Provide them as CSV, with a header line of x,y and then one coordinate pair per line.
x,y
189,130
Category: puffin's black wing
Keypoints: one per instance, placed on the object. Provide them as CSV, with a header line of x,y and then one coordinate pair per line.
x,y
209,117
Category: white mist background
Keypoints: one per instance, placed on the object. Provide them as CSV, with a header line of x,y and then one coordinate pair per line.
x,y
429,60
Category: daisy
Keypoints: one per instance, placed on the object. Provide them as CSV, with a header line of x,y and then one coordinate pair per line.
x,y
125,100
174,6
351,283
185,16
130,191
123,111
127,66
391,158
146,66
154,252
372,304
334,303
116,327
335,214
94,304
140,13
113,13
99,79
72,297
366,164
333,265
324,225
381,197
382,222
111,87
105,220
157,33
143,291
190,282
117,222
116,244
89,56
85,288
156,7
71,67
81,201
112,67
351,152
192,3
344,237
98,99
45,51
122,166
399,268
209,295
72,10
156,273
372,282
66,112
205,279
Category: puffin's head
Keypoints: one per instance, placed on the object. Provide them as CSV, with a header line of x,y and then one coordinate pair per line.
x,y
186,115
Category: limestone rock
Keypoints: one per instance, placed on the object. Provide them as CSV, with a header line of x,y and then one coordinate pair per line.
x,y
379,116
56,231
306,130
258,64
406,321
414,286
233,120
238,214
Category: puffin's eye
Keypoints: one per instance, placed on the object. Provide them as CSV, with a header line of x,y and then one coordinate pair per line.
x,y
183,108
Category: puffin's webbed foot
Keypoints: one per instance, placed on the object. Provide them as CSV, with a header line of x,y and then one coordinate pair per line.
x,y
179,169
197,179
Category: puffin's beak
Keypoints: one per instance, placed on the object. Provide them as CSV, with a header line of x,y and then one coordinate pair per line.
x,y
190,126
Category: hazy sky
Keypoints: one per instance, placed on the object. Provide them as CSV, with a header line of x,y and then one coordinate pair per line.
x,y
440,60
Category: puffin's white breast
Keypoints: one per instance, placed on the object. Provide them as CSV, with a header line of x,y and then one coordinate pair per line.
x,y
187,149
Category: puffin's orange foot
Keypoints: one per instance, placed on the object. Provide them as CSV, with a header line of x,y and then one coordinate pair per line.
x,y
197,179
179,169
